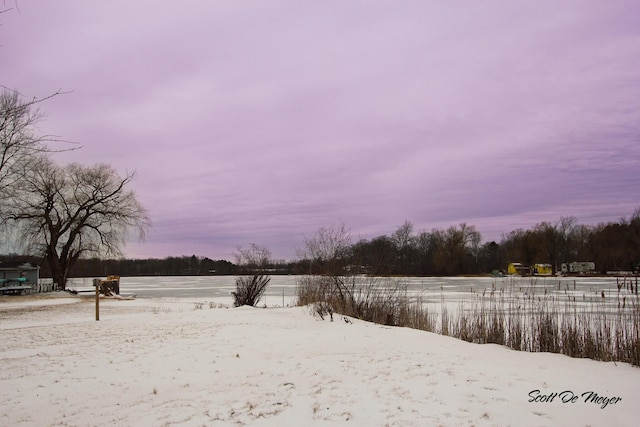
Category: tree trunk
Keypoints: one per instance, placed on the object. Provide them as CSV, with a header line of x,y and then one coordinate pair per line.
x,y
59,271
62,280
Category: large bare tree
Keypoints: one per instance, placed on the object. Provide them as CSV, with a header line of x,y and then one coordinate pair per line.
x,y
67,212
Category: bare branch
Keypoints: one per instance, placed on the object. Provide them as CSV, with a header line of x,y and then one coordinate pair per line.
x,y
20,144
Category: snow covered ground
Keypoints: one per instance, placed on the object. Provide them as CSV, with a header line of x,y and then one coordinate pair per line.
x,y
187,362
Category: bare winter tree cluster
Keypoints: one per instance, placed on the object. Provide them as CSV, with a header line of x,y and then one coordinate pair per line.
x,y
458,249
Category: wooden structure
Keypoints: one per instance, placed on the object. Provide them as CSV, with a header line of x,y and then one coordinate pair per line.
x,y
109,286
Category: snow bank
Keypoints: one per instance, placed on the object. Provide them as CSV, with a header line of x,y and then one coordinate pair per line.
x,y
175,362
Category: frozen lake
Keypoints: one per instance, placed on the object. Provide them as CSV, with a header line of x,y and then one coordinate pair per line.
x,y
282,289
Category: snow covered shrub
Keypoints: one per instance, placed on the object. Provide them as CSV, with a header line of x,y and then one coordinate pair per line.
x,y
249,289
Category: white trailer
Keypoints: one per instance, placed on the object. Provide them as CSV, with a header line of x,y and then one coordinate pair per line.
x,y
578,267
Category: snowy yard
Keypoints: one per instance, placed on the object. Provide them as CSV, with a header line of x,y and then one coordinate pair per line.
x,y
172,362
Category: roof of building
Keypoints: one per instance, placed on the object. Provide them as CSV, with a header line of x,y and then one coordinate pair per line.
x,y
14,265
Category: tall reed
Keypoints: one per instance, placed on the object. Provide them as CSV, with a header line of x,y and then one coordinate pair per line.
x,y
522,316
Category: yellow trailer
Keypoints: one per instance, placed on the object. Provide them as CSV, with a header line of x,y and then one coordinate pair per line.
x,y
542,269
518,269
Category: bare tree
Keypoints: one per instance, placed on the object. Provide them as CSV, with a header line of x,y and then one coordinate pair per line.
x,y
64,213
328,250
566,228
20,143
457,242
251,288
402,236
5,9
326,254
404,243
255,257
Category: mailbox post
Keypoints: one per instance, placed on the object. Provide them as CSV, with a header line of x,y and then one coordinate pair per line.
x,y
96,283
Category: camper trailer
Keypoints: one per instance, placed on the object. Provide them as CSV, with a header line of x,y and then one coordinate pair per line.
x,y
586,267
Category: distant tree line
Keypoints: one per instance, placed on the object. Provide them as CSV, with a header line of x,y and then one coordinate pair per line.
x,y
614,246
169,266
456,250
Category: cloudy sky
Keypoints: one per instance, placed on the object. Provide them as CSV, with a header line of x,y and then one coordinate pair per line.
x,y
261,121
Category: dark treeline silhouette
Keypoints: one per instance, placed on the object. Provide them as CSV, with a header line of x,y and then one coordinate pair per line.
x,y
456,250
170,266
459,250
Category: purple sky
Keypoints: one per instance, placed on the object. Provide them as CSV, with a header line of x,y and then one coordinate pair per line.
x,y
263,121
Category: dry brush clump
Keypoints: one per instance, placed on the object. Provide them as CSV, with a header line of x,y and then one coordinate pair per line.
x,y
522,318
414,313
249,289
527,316
590,328
372,299
332,285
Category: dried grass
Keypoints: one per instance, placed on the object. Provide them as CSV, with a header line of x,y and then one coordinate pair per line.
x,y
521,318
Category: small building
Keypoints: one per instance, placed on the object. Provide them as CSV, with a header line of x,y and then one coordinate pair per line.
x,y
18,277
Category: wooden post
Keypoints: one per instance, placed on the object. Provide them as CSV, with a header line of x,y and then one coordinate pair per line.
x,y
96,283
